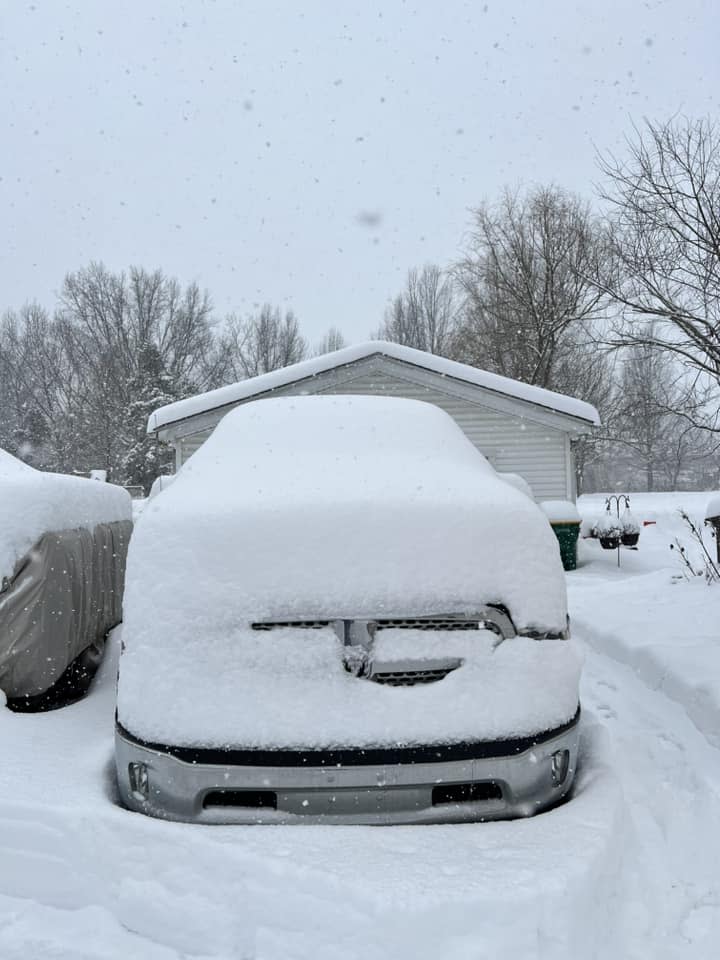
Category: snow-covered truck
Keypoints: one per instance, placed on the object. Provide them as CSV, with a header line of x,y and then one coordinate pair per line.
x,y
339,612
63,546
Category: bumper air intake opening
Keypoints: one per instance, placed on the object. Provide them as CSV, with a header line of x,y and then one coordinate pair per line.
x,y
466,792
256,799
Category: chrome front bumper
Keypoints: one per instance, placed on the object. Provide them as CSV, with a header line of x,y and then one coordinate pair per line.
x,y
443,784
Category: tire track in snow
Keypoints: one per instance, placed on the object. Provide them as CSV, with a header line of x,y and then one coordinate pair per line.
x,y
671,779
700,705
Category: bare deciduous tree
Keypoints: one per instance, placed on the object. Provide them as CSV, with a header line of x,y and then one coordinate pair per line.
x,y
665,220
425,314
659,442
332,341
42,392
79,382
116,315
530,300
108,322
262,342
590,374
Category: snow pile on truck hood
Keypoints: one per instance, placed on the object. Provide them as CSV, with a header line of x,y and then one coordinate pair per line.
x,y
288,688
33,503
321,508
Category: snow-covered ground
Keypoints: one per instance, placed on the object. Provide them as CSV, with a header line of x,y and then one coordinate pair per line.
x,y
646,613
627,869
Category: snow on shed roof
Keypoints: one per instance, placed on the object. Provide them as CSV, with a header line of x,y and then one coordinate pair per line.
x,y
235,392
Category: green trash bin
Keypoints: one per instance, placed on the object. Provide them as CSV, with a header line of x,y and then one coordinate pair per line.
x,y
567,534
565,521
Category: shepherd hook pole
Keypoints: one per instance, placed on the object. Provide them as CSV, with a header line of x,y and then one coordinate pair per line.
x,y
617,498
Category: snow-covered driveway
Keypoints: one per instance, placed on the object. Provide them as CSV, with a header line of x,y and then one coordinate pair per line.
x,y
627,869
83,878
670,870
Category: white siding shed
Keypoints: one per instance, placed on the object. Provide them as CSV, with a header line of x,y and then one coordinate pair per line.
x,y
519,428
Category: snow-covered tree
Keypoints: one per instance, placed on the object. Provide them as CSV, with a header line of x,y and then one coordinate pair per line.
x,y
150,387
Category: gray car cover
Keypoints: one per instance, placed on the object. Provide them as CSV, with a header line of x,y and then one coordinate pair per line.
x,y
63,597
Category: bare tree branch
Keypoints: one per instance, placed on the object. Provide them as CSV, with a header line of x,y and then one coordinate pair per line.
x,y
664,228
424,315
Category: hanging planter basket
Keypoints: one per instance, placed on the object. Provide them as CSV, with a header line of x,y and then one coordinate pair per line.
x,y
630,529
608,531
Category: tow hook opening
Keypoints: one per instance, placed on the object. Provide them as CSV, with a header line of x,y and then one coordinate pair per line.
x,y
254,799
466,792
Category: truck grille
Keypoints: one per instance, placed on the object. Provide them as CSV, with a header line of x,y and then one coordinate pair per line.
x,y
302,624
357,637
428,623
408,678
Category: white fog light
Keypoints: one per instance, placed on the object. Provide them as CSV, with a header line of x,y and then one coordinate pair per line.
x,y
138,776
560,764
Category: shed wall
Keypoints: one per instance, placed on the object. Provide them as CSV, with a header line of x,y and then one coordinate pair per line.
x,y
512,444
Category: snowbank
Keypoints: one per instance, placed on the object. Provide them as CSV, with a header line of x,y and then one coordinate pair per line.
x,y
324,508
235,392
33,503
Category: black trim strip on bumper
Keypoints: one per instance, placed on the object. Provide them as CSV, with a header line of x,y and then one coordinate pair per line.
x,y
352,756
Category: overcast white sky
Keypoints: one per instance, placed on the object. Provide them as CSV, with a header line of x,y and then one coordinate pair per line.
x,y
310,153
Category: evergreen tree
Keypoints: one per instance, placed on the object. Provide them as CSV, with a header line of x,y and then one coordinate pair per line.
x,y
151,387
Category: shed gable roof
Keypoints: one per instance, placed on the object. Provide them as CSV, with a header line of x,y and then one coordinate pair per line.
x,y
235,392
